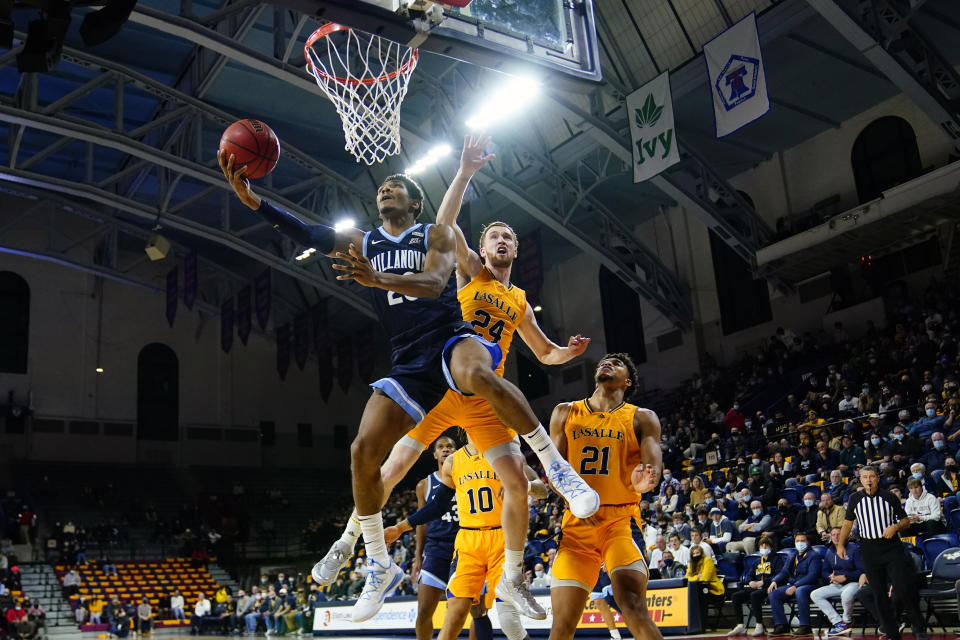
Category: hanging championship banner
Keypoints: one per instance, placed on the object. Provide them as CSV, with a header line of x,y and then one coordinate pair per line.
x,y
243,314
301,339
321,342
190,279
226,325
172,295
283,350
650,114
262,296
736,76
365,355
345,362
530,263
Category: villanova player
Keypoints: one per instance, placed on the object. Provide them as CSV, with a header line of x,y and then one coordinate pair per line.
x,y
497,310
409,269
479,547
616,447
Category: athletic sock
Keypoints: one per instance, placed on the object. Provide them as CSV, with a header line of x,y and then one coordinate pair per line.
x,y
483,628
513,565
539,440
352,532
373,540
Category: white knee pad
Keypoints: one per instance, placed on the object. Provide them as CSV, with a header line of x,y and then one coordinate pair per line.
x,y
510,622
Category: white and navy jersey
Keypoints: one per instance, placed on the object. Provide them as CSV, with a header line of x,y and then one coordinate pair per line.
x,y
405,318
444,528
875,513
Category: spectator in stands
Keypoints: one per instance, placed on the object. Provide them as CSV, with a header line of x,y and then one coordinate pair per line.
x,y
936,454
95,606
79,614
229,621
923,510
756,524
144,616
829,516
284,604
697,540
900,450
755,589
734,419
680,527
827,458
108,566
721,530
844,577
698,493
874,448
71,583
668,481
805,462
670,568
806,519
949,482
850,404
305,617
656,554
244,606
925,426
176,606
201,610
680,553
257,612
540,578
37,615
703,571
119,620
837,488
796,580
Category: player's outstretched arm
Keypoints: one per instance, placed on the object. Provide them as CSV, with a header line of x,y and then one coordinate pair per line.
x,y
558,419
433,509
319,236
428,284
472,160
546,350
421,538
646,426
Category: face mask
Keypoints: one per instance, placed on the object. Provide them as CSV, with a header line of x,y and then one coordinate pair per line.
x,y
847,397
938,444
748,424
865,390
736,406
709,500
898,437
667,477
757,512
875,442
808,503
668,561
539,574
931,413
916,475
764,552
783,507
755,461
950,468
801,547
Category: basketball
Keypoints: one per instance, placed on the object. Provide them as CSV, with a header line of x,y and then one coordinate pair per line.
x,y
253,144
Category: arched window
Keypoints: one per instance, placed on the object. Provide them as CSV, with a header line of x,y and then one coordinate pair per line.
x,y
158,393
884,155
14,322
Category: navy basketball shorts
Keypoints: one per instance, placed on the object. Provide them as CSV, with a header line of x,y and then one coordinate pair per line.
x,y
437,556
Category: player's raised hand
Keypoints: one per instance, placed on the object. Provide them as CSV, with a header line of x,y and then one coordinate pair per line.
x,y
644,478
238,180
577,344
392,534
357,267
472,159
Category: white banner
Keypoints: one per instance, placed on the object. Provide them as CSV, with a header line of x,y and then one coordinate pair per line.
x,y
650,113
736,76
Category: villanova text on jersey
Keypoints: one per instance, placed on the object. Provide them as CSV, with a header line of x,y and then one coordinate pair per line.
x,y
406,318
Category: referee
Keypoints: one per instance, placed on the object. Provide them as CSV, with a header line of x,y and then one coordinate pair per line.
x,y
880,518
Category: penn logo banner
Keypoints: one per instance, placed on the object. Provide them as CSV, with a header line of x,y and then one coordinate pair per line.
x,y
650,113
737,79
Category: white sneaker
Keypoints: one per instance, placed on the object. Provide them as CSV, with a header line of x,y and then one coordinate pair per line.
x,y
381,582
582,500
758,631
518,595
325,571
738,630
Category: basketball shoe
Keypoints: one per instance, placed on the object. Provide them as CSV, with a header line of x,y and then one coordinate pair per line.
x,y
518,595
381,582
583,500
325,571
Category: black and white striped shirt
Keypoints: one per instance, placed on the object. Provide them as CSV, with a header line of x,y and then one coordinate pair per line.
x,y
875,513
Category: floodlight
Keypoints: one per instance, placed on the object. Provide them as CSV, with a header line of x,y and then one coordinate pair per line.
x,y
343,224
516,95
433,156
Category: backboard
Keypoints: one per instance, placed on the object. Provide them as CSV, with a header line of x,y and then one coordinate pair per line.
x,y
505,35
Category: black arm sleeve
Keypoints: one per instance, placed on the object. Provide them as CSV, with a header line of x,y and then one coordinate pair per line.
x,y
434,507
318,236
852,506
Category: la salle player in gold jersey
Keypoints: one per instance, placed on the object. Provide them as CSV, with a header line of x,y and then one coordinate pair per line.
x,y
616,448
478,550
496,309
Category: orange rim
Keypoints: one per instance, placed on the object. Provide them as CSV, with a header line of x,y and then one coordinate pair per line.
x,y
332,27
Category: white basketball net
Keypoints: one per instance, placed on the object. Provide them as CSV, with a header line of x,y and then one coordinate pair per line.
x,y
365,77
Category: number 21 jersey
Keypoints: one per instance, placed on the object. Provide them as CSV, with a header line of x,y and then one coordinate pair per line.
x,y
602,447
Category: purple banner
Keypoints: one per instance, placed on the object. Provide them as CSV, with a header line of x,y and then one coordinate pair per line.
x,y
345,362
301,339
283,350
172,295
226,325
528,271
262,297
321,343
243,314
365,355
190,279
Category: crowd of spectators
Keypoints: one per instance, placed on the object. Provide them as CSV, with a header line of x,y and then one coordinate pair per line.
x,y
21,616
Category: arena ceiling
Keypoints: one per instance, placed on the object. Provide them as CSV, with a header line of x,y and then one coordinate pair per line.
x,y
125,133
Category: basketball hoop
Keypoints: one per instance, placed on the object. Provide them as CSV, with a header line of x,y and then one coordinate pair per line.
x,y
365,76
